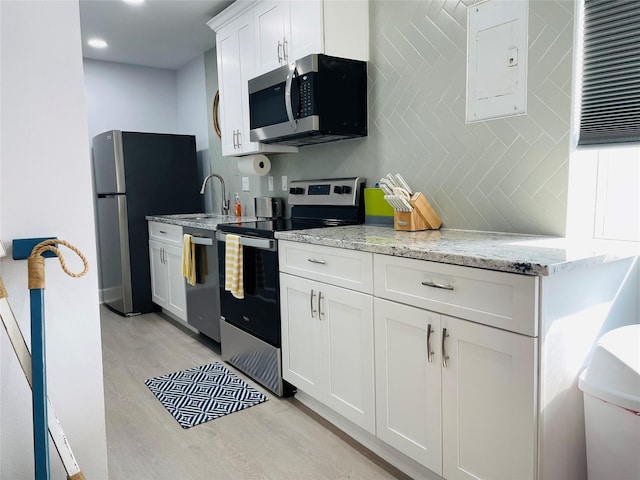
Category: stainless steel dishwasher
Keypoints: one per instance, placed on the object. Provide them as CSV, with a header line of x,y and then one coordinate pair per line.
x,y
203,298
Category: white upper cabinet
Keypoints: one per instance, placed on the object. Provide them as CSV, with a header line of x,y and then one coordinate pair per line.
x,y
286,31
236,57
289,30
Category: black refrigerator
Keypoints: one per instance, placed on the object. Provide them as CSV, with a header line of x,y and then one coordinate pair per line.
x,y
137,174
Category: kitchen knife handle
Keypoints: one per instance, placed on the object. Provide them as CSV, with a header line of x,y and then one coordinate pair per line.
x,y
429,352
437,285
312,310
445,357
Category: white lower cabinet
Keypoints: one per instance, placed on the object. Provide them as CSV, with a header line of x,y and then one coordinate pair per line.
x,y
327,346
455,396
168,288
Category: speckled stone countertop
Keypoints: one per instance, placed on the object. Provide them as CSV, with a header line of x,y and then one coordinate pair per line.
x,y
206,221
526,254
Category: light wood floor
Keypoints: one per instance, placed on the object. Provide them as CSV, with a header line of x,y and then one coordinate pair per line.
x,y
277,440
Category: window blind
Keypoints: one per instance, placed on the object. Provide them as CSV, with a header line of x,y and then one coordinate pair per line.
x,y
610,108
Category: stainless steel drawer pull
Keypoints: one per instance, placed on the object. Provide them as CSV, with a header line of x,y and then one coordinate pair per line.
x,y
445,357
437,285
429,352
312,310
163,232
315,260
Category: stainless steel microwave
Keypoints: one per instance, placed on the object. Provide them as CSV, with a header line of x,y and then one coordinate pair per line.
x,y
316,99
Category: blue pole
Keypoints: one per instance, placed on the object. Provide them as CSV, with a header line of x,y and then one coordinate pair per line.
x,y
39,391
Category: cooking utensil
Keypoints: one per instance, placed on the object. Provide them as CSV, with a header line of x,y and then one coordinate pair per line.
x,y
404,184
399,203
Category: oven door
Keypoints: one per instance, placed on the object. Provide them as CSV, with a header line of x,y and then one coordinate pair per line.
x,y
258,313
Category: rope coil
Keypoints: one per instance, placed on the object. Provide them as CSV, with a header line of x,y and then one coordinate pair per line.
x,y
36,262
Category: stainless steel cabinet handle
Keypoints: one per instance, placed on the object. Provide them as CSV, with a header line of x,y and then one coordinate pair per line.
x,y
320,314
445,357
429,352
285,54
239,137
163,232
312,310
315,260
437,285
279,56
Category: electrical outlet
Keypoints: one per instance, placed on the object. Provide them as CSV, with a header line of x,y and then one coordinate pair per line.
x,y
284,183
270,183
245,184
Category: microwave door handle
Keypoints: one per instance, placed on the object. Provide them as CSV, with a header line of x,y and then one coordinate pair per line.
x,y
287,95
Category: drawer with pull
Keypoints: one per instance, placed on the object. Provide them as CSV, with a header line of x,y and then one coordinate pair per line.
x,y
337,266
504,300
165,232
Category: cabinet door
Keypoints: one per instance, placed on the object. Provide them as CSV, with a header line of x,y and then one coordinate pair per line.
x,y
177,296
347,320
488,402
229,84
246,50
408,381
272,29
306,29
301,334
159,286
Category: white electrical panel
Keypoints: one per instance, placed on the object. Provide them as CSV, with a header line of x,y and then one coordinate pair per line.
x,y
497,36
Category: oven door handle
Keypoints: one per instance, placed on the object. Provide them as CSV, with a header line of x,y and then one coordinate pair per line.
x,y
261,243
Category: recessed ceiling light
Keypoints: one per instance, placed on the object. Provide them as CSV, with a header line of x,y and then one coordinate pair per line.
x,y
133,2
97,43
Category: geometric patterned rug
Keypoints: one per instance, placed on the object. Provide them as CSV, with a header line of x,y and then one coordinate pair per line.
x,y
200,394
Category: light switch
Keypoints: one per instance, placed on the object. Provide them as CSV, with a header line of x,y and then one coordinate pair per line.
x,y
270,179
512,57
245,184
284,183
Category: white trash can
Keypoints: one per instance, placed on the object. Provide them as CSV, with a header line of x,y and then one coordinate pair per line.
x,y
611,389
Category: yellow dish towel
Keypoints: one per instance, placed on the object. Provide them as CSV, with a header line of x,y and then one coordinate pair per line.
x,y
233,281
188,259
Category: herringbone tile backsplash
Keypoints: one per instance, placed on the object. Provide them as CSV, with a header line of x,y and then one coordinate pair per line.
x,y
506,175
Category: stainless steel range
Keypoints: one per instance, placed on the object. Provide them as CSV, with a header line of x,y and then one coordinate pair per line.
x,y
250,327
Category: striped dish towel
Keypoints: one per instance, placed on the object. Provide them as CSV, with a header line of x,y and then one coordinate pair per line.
x,y
233,281
188,259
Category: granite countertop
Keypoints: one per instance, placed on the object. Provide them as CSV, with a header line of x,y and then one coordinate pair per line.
x,y
206,221
516,253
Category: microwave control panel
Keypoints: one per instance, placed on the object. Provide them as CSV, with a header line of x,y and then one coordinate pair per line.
x,y
306,95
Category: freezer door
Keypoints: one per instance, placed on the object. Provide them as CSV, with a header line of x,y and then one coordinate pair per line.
x,y
113,248
108,162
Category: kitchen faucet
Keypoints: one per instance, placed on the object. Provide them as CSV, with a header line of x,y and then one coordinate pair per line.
x,y
225,203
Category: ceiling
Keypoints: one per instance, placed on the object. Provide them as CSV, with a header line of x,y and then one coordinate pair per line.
x,y
157,33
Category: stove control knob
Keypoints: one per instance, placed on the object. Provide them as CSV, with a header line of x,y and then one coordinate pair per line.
x,y
337,189
296,190
346,189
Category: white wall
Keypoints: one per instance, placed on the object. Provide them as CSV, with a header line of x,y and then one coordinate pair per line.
x,y
128,97
45,189
192,102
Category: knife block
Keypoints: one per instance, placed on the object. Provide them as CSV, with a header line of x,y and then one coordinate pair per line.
x,y
422,217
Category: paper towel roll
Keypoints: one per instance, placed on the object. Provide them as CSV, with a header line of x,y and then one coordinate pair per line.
x,y
254,165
